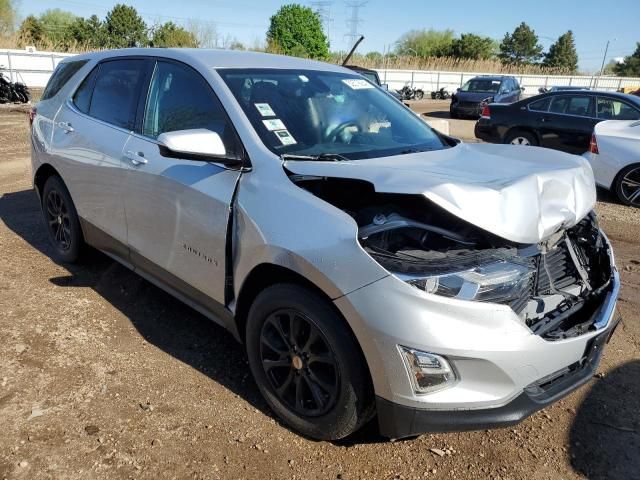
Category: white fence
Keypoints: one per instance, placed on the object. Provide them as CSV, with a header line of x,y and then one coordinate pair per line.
x,y
435,80
32,68
35,68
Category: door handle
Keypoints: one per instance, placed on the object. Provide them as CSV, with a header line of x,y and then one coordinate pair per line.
x,y
137,158
544,119
65,127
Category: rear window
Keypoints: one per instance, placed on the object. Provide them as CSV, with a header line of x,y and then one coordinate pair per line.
x,y
61,76
540,105
115,92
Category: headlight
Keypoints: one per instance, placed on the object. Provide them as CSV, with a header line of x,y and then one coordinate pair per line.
x,y
497,282
428,372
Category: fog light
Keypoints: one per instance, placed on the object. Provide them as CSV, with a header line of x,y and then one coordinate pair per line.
x,y
428,372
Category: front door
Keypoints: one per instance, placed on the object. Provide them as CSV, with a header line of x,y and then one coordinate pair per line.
x,y
177,210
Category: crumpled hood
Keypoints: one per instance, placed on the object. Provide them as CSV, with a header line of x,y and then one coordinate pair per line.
x,y
522,194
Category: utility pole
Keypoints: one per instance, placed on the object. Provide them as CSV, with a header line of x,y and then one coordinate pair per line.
x,y
354,21
604,59
323,7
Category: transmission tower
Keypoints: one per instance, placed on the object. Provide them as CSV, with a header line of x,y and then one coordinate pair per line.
x,y
354,21
323,7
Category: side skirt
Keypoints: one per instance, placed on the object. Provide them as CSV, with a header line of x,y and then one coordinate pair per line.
x,y
158,276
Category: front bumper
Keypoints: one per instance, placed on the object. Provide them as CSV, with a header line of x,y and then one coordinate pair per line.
x,y
474,110
397,421
505,371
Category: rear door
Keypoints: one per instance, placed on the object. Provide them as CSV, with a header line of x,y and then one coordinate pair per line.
x,y
568,123
177,209
90,132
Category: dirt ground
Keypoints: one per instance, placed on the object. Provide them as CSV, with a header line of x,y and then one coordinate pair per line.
x,y
103,375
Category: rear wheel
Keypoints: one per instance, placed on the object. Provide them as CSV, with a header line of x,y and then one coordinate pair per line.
x,y
419,94
307,364
523,138
627,185
61,220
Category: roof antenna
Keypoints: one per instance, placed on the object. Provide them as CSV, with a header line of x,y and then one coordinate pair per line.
x,y
348,57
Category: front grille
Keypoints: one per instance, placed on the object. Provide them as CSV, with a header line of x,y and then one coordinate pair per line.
x,y
469,104
560,267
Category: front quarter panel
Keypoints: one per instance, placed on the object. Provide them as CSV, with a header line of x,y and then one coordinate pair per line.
x,y
279,223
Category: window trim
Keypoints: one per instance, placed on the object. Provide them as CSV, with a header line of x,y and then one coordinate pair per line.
x,y
145,82
564,94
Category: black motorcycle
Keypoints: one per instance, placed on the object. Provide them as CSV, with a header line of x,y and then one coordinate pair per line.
x,y
408,93
13,92
441,94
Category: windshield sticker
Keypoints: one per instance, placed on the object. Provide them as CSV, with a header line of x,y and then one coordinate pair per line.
x,y
303,78
285,137
265,109
356,83
274,124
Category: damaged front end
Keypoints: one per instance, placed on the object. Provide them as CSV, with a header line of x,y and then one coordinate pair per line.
x,y
555,286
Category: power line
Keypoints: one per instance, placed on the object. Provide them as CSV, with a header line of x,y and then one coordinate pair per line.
x,y
354,21
323,7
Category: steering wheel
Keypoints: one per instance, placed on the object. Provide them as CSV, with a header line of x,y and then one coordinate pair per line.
x,y
333,135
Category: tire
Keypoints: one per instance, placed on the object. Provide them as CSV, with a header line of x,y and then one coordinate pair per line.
x,y
419,95
325,391
627,185
61,220
521,137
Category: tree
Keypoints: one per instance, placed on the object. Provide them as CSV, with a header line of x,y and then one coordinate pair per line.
x,y
373,56
562,54
171,35
30,32
89,32
297,30
55,26
425,43
521,46
473,46
631,65
125,28
7,17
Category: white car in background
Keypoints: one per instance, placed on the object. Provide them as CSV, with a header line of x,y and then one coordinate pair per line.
x,y
614,154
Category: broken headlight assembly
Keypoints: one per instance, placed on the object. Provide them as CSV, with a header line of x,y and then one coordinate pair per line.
x,y
497,282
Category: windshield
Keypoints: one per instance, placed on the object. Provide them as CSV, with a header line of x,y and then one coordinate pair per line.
x,y
481,85
308,112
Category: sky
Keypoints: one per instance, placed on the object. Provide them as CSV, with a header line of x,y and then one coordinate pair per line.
x,y
383,22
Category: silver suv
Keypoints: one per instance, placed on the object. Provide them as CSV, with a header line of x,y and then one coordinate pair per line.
x,y
370,264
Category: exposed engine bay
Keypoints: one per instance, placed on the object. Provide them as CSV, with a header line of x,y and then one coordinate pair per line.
x,y
555,286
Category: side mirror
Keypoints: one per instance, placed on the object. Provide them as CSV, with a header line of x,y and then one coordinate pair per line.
x,y
196,144
385,86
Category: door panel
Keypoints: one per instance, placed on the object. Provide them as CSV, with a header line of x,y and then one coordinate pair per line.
x,y
177,212
88,154
568,124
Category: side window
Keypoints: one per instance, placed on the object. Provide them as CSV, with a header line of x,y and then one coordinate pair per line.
x,y
610,109
61,76
581,106
82,97
540,105
559,104
180,99
516,85
116,92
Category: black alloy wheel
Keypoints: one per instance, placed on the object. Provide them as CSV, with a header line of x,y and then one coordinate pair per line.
x,y
299,362
61,220
307,362
58,221
627,185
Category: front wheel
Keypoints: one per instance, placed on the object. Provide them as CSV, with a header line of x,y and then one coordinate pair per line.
x,y
307,363
627,185
419,94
